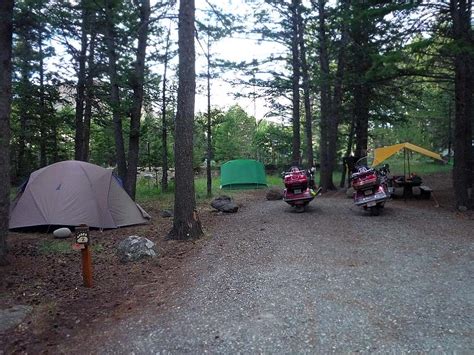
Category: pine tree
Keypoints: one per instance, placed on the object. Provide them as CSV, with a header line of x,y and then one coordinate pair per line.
x,y
186,223
6,30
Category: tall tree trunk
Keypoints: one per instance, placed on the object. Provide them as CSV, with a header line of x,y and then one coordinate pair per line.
x,y
361,114
115,92
186,224
42,113
54,142
463,81
137,101
325,171
164,128
361,88
22,167
306,91
350,141
80,88
6,30
336,102
209,138
295,79
89,97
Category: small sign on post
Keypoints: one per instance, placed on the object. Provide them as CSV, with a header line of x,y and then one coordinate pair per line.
x,y
82,243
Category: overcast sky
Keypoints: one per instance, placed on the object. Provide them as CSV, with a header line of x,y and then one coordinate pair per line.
x,y
235,49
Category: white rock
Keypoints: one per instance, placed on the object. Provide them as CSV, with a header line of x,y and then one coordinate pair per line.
x,y
62,233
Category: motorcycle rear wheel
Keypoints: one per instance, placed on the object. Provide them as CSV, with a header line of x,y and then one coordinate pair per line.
x,y
300,208
375,210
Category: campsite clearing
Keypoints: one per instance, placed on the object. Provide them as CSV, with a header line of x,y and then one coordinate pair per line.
x,y
263,280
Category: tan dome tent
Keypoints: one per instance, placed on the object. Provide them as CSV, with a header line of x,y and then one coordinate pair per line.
x,y
71,193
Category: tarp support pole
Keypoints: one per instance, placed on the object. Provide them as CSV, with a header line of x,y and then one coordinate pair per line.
x,y
408,156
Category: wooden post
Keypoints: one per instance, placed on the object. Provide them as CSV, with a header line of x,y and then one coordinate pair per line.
x,y
87,266
83,243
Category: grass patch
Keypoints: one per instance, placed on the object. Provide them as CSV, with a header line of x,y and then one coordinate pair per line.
x,y
420,166
55,247
275,180
62,247
148,191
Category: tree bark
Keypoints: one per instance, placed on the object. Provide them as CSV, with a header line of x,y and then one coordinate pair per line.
x,y
361,114
186,223
89,97
209,138
350,139
24,107
42,112
80,88
115,92
361,88
306,91
137,100
463,86
295,79
164,128
6,30
325,101
336,102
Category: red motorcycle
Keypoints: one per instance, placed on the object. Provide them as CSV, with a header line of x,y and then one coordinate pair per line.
x,y
300,188
371,188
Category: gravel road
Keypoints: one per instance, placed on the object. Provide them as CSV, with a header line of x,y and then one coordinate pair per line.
x,y
333,279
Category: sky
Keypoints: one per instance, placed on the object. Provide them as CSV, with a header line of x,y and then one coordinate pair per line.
x,y
235,49
222,92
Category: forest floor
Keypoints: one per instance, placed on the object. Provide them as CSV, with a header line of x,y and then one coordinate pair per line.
x,y
262,280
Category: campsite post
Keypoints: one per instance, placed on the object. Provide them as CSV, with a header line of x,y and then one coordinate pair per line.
x,y
83,240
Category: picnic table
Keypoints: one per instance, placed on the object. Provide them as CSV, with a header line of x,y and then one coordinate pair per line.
x,y
409,183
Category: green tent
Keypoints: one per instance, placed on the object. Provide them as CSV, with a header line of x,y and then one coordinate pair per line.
x,y
243,174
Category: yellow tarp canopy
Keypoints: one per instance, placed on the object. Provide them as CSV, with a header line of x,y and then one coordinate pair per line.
x,y
383,153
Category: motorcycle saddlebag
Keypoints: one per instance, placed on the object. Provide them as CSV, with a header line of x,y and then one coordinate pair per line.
x,y
364,180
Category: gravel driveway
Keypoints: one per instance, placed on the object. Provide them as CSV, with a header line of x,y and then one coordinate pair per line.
x,y
331,279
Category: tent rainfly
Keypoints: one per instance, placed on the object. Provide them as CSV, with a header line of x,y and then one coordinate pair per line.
x,y
71,193
384,153
243,174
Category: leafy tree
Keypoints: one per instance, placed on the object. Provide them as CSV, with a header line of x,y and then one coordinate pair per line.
x,y
35,88
273,143
232,136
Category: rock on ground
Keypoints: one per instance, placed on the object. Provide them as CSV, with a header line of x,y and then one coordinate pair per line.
x,y
224,204
274,193
134,248
13,316
166,214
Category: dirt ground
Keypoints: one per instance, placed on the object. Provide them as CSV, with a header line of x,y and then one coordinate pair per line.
x,y
51,282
